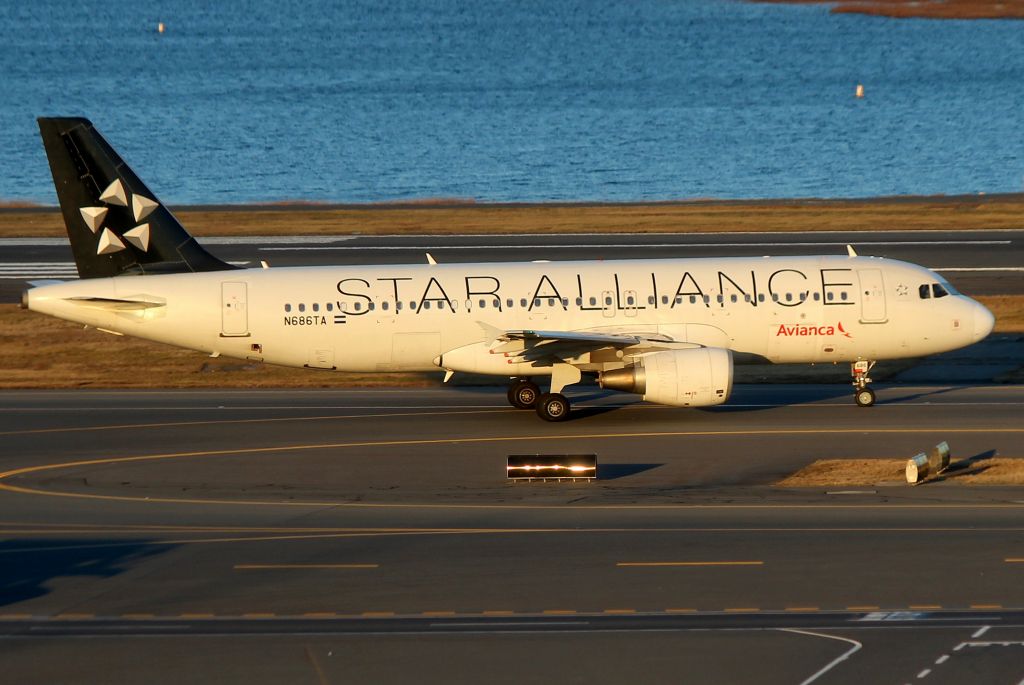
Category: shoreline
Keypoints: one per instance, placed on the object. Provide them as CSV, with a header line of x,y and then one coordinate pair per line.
x,y
916,9
437,217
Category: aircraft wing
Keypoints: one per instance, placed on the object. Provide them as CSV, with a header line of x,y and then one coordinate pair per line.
x,y
529,345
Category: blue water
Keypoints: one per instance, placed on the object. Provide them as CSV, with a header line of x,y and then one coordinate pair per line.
x,y
514,101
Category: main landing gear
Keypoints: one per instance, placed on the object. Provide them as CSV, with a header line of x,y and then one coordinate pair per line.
x,y
864,395
550,406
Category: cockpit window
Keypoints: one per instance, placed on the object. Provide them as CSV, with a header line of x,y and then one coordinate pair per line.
x,y
938,290
924,291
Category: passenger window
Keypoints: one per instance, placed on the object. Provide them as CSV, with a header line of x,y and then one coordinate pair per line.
x,y
384,305
746,298
607,301
316,306
359,307
536,302
287,307
482,303
370,306
842,296
565,302
579,301
630,300
426,304
938,290
302,307
412,305
719,299
522,302
830,297
803,296
789,297
510,303
760,297
775,297
817,297
664,299
924,291
330,307
707,299
398,306
651,300
733,298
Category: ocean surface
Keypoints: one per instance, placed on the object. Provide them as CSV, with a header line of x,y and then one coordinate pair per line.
x,y
524,100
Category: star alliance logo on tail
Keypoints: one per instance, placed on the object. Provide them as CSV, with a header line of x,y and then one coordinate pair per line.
x,y
116,195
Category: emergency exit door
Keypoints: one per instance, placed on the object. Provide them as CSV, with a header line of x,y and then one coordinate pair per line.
x,y
872,295
234,312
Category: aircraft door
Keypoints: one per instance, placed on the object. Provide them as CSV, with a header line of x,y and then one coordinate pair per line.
x,y
872,293
234,313
608,304
632,302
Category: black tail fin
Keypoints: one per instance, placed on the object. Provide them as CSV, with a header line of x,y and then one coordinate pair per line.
x,y
115,224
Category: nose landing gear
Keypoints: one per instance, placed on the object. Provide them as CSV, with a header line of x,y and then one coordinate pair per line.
x,y
864,395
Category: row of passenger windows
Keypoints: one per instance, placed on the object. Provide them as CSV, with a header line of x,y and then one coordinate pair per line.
x,y
607,301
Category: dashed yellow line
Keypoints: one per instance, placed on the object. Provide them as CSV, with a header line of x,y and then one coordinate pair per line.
x,y
559,612
197,615
498,612
742,610
74,617
626,564
14,617
802,609
274,567
319,614
259,615
681,610
134,617
619,611
438,614
986,606
377,614
925,607
1014,560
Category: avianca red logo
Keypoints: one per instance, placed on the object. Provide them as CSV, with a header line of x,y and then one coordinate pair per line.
x,y
801,330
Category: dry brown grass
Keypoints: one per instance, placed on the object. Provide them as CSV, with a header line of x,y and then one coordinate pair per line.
x,y
850,472
963,213
1008,310
922,9
38,351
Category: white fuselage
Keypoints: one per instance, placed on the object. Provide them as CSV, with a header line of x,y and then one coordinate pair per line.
x,y
405,317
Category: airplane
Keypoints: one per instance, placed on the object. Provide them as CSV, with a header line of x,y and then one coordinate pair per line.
x,y
669,330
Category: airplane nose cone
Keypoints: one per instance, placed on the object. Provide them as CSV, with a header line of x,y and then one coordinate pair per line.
x,y
984,322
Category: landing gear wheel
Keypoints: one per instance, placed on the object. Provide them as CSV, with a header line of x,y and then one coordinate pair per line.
x,y
865,397
523,394
553,406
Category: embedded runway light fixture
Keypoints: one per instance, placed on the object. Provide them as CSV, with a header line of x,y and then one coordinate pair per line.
x,y
557,467
917,468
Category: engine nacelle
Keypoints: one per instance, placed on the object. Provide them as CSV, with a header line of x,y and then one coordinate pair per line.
x,y
701,377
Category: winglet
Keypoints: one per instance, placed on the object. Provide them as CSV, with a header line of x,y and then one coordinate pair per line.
x,y
850,251
448,375
491,333
430,260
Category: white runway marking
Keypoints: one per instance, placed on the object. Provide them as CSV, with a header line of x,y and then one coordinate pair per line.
x,y
835,662
635,245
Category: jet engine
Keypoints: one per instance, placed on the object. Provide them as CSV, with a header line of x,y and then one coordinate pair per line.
x,y
701,377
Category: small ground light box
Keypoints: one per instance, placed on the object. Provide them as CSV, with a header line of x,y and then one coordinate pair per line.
x,y
554,467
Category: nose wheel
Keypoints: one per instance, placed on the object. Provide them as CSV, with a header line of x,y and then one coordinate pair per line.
x,y
864,396
523,394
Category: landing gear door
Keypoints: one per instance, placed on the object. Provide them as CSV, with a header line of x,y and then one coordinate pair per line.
x,y
234,311
872,294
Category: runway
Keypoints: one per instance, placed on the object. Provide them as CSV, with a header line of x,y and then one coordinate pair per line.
x,y
371,536
977,262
